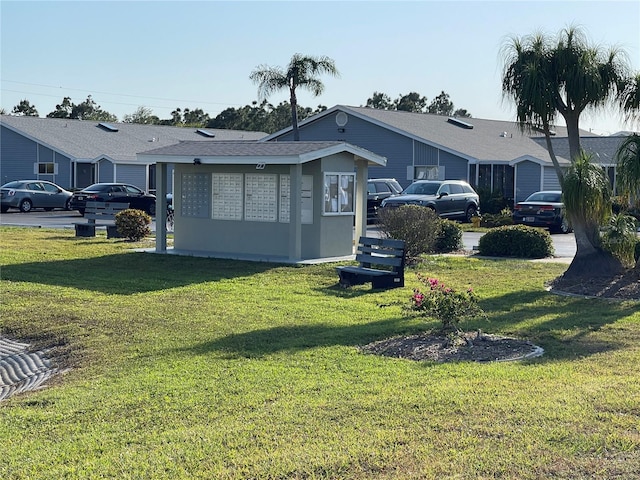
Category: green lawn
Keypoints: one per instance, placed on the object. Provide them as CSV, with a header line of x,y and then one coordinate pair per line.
x,y
190,368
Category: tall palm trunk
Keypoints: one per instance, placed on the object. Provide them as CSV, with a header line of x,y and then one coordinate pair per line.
x,y
294,113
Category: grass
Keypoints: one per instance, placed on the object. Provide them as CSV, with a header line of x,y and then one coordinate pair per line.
x,y
201,368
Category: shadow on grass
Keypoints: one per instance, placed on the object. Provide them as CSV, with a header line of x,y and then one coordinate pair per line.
x,y
564,326
568,334
131,273
258,343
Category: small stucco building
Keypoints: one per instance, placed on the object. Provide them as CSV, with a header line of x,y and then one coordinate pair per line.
x,y
279,201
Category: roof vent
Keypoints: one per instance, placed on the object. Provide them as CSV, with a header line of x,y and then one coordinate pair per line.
x,y
459,123
205,133
108,127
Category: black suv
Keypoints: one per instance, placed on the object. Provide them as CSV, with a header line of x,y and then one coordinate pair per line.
x,y
379,189
449,198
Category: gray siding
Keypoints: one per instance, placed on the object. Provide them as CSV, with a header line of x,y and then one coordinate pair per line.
x,y
527,179
132,174
378,140
400,150
455,168
551,181
425,154
18,156
105,171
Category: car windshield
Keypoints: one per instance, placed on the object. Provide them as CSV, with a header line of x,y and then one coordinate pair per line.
x,y
545,197
418,188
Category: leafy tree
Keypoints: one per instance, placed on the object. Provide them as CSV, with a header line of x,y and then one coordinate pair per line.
x,y
24,108
302,72
63,110
411,102
87,110
441,105
381,101
566,75
90,110
195,118
461,112
142,115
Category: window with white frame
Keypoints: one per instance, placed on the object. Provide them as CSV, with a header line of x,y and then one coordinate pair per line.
x,y
426,172
339,193
46,168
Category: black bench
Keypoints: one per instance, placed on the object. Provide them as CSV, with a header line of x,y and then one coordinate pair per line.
x,y
381,263
100,212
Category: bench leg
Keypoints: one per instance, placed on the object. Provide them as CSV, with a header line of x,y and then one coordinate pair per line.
x,y
85,230
112,232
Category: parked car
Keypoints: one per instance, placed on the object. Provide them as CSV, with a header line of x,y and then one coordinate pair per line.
x,y
379,189
542,209
114,192
449,198
25,195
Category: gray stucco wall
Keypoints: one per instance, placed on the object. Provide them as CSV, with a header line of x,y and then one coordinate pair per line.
x,y
326,236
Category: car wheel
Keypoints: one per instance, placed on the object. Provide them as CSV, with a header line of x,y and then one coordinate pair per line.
x,y
26,205
152,209
564,226
471,211
67,205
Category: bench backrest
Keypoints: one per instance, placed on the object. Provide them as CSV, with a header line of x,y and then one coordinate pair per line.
x,y
385,252
103,210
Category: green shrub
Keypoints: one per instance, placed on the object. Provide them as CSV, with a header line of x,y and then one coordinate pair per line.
x,y
449,238
519,241
620,239
133,224
492,202
417,226
636,254
493,220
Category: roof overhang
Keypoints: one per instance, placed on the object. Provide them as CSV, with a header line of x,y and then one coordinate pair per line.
x,y
262,156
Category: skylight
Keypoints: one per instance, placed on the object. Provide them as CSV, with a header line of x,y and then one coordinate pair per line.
x,y
205,133
108,127
459,123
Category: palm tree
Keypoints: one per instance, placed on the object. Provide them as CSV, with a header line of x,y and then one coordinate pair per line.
x,y
628,167
547,76
301,72
628,170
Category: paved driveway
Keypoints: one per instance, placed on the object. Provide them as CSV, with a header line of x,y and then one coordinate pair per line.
x,y
564,245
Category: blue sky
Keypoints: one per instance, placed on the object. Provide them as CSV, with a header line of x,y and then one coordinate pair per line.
x,y
199,54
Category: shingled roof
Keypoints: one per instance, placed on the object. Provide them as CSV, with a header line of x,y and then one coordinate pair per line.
x,y
89,140
479,140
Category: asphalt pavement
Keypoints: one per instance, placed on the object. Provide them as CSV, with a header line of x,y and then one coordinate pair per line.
x,y
564,245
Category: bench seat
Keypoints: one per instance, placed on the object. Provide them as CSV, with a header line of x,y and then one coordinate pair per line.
x,y
381,262
100,212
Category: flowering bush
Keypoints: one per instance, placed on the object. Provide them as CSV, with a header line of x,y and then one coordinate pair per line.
x,y
444,303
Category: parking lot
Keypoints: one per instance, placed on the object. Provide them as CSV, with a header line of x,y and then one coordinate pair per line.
x,y
564,245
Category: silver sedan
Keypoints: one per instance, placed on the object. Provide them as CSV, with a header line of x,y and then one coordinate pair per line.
x,y
25,195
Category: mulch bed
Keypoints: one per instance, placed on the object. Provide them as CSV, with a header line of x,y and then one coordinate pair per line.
x,y
447,348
